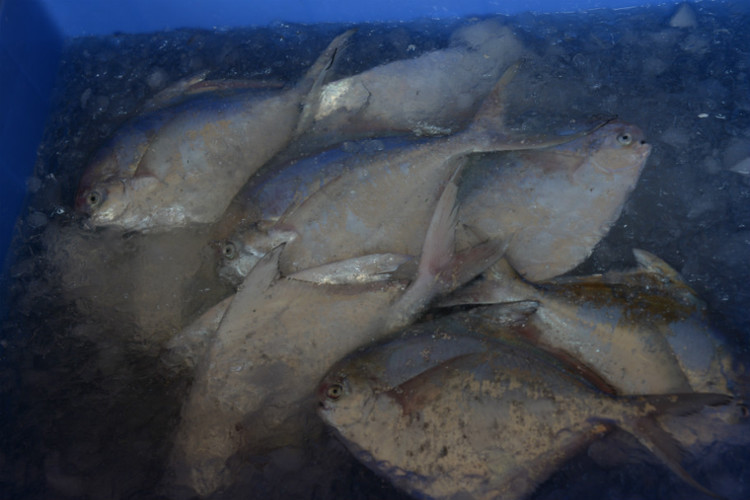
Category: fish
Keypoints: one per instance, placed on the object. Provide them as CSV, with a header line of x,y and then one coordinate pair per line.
x,y
365,209
182,164
241,236
279,335
554,205
643,330
408,96
493,421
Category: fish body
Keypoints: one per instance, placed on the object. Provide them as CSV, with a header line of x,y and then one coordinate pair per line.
x,y
492,423
644,331
554,205
183,164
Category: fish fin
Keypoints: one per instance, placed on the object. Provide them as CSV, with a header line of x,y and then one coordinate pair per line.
x,y
260,277
651,263
507,314
491,113
197,84
232,85
686,404
315,78
650,434
488,132
440,269
173,93
500,283
509,323
188,346
421,389
365,269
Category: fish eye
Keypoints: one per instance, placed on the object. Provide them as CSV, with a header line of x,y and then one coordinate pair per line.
x,y
334,391
625,139
229,250
94,198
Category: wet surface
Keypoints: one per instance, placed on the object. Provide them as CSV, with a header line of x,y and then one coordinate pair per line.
x,y
88,410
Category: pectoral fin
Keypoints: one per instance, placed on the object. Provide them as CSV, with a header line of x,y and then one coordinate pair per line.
x,y
365,269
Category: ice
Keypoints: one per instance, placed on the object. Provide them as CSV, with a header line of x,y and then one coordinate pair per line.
x,y
91,409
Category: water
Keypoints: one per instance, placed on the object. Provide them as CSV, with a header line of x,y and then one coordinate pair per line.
x,y
88,409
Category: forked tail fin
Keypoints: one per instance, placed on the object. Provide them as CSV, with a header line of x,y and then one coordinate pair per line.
x,y
658,441
441,269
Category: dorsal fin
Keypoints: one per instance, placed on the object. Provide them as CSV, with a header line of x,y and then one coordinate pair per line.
x,y
488,131
312,83
653,264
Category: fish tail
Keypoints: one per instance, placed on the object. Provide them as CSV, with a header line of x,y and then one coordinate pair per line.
x,y
313,81
440,268
488,131
501,284
650,434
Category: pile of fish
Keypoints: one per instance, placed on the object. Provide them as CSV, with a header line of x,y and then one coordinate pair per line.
x,y
340,251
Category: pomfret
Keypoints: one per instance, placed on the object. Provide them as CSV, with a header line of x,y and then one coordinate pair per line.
x,y
644,331
492,423
409,96
277,190
184,164
385,205
278,336
555,204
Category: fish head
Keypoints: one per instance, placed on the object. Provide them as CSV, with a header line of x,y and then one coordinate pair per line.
x,y
344,399
618,146
116,170
100,201
120,203
236,260
240,252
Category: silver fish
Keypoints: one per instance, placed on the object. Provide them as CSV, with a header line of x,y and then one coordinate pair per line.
x,y
184,164
492,423
409,96
278,336
554,205
644,331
